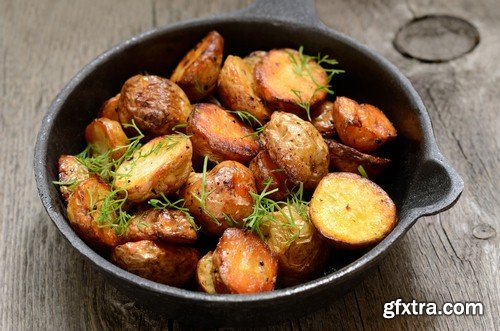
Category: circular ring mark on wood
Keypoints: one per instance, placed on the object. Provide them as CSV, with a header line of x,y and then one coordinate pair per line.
x,y
483,231
436,38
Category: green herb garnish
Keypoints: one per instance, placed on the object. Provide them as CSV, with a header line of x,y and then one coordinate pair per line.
x,y
165,203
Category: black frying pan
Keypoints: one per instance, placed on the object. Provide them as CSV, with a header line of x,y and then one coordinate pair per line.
x,y
421,182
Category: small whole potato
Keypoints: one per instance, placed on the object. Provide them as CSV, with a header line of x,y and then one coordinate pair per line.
x,y
155,104
297,147
106,135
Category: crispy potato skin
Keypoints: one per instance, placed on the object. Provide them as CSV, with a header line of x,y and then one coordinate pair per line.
x,y
82,214
160,262
347,159
301,250
277,77
297,147
198,71
323,119
205,274
110,107
160,166
70,171
264,169
344,219
220,135
230,184
236,87
361,126
243,263
160,225
106,135
154,103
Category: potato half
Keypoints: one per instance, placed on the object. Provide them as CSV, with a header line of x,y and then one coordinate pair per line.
x,y
106,135
160,166
110,107
351,211
71,173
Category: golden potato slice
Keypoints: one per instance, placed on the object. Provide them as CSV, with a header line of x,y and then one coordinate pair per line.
x,y
84,208
243,263
348,159
225,198
155,104
351,211
106,135
198,71
285,79
264,170
301,250
160,225
160,166
109,108
363,127
219,135
253,58
236,89
323,119
71,173
160,262
297,147
205,274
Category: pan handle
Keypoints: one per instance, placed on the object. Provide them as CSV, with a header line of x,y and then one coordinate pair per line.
x,y
302,11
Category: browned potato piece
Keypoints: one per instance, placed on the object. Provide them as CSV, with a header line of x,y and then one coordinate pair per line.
x,y
205,274
155,104
236,89
301,250
106,135
109,108
71,173
198,71
225,197
253,58
363,127
283,83
160,262
264,169
160,166
84,208
351,211
297,147
220,135
243,263
348,159
323,119
160,225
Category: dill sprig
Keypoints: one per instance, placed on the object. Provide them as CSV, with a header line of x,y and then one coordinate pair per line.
x,y
362,171
179,205
108,211
202,196
246,116
263,209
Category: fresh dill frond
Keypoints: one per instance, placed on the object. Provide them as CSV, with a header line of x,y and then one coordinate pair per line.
x,y
362,171
109,212
165,203
179,126
246,116
263,209
202,196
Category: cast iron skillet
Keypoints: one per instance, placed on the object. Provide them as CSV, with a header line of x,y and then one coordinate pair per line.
x,y
421,181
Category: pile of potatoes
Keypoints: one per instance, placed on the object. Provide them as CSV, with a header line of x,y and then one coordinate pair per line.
x,y
198,150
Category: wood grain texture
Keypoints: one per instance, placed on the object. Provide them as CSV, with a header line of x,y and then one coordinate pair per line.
x,y
45,285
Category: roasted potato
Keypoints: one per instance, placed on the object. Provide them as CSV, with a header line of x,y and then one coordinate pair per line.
x,y
243,263
264,170
347,159
71,173
106,135
222,199
155,104
236,87
198,71
361,126
323,119
160,225
110,107
219,135
285,79
253,58
351,211
301,250
160,166
205,274
85,207
297,147
164,263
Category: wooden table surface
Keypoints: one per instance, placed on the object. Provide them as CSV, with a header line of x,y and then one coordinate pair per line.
x,y
45,284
